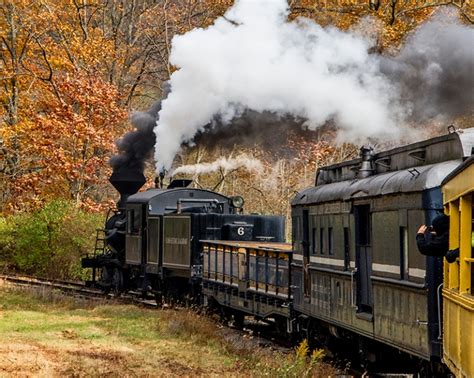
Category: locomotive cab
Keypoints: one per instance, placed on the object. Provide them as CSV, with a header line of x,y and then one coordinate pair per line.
x,y
158,234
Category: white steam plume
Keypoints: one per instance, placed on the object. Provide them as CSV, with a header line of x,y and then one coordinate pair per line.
x,y
241,161
255,59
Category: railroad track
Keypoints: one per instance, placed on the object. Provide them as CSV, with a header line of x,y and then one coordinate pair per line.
x,y
65,286
78,288
257,328
75,288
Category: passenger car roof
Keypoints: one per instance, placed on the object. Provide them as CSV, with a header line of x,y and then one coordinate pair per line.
x,y
404,181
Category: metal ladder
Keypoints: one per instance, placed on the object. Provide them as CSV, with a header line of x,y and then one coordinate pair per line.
x,y
99,246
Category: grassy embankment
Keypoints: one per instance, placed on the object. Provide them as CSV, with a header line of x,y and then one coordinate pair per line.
x,y
45,333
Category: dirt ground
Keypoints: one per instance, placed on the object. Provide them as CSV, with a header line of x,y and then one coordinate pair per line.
x,y
47,334
27,358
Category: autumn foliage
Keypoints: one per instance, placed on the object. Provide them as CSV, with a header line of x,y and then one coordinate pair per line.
x,y
66,143
71,71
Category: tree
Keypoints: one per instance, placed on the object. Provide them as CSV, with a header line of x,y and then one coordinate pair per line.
x,y
71,69
397,17
66,145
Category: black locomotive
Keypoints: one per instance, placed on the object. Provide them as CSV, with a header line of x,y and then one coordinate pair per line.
x,y
152,243
352,274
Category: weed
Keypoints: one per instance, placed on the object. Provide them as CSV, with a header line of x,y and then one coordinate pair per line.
x,y
302,363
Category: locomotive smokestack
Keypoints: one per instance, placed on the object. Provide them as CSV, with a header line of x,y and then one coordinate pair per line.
x,y
127,182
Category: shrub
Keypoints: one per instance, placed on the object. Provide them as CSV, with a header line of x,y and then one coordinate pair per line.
x,y
6,243
49,242
301,363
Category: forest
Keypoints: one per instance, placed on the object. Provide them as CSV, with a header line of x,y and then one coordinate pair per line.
x,y
72,74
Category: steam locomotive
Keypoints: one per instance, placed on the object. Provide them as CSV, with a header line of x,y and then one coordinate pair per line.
x,y
152,243
352,275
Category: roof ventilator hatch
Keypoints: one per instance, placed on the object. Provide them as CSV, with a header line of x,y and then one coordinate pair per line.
x,y
419,154
384,162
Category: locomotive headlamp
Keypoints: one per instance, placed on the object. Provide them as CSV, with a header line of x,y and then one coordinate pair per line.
x,y
237,201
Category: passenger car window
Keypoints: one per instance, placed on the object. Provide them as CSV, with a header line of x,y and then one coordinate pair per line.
x,y
330,241
321,241
315,241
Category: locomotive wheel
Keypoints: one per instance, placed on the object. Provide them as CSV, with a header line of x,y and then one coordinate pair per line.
x,y
280,325
310,333
105,280
225,315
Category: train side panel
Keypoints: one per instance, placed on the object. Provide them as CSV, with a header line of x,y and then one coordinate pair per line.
x,y
458,290
356,264
250,277
374,287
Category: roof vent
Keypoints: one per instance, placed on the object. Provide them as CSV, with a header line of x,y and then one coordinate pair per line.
x,y
419,154
367,165
384,162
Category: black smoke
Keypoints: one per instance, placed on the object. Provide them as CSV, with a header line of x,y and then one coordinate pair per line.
x,y
434,70
136,146
265,130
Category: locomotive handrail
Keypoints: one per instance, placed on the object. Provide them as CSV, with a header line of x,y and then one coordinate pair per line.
x,y
440,324
352,273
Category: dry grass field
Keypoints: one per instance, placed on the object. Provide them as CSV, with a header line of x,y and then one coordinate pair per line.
x,y
44,333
